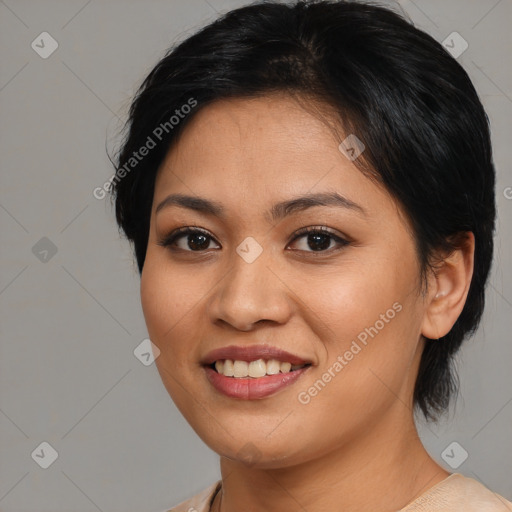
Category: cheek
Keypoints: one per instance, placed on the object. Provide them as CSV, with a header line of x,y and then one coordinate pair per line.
x,y
168,305
343,302
168,300
366,317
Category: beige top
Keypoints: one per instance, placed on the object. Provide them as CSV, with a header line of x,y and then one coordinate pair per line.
x,y
456,493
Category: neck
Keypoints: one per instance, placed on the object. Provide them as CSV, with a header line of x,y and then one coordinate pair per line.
x,y
384,468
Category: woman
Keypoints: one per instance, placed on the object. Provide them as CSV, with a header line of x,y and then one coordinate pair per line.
x,y
309,189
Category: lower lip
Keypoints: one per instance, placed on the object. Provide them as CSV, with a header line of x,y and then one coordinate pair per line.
x,y
252,389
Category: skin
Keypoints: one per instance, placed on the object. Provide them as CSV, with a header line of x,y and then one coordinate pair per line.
x,y
354,446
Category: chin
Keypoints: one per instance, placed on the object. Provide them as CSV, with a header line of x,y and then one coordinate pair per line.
x,y
254,449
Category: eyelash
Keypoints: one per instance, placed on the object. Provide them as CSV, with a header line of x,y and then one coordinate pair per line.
x,y
168,240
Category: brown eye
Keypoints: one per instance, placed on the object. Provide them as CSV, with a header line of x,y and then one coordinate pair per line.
x,y
187,239
318,239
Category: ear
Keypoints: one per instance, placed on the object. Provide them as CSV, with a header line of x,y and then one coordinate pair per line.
x,y
448,289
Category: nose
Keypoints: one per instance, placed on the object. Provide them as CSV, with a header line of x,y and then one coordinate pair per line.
x,y
250,293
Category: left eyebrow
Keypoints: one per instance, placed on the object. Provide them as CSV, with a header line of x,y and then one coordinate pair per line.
x,y
285,208
277,211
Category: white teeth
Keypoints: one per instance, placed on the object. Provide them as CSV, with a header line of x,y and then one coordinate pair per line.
x,y
241,368
257,368
273,367
229,369
254,369
285,367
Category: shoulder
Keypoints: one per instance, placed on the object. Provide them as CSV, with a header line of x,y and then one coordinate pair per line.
x,y
459,493
200,502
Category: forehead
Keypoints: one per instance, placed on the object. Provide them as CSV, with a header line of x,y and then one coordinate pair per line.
x,y
253,140
263,150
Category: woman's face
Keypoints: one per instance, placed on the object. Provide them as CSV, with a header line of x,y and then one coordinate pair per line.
x,y
345,301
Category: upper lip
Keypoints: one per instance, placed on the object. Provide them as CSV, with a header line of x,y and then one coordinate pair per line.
x,y
252,353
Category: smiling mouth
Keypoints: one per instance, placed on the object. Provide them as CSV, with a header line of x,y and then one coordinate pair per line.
x,y
254,369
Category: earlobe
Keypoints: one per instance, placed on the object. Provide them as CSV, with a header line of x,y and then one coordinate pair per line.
x,y
448,289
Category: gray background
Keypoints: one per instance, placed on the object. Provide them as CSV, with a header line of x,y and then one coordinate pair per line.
x,y
70,321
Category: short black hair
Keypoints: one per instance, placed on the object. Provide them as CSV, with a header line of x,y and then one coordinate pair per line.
x,y
425,131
